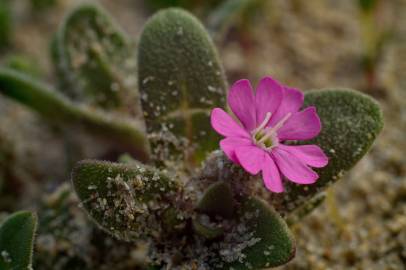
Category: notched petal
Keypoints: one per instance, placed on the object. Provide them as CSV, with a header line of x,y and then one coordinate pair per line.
x,y
293,168
268,97
228,145
303,125
251,158
225,125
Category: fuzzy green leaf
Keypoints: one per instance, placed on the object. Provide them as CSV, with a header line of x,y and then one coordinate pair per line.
x,y
16,241
217,200
181,79
95,61
268,240
128,201
127,135
350,123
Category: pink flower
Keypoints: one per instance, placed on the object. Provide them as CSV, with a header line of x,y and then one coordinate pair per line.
x,y
269,119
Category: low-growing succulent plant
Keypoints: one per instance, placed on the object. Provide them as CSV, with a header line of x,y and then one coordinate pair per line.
x,y
155,104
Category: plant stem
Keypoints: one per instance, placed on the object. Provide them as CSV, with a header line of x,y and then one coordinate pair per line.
x,y
128,134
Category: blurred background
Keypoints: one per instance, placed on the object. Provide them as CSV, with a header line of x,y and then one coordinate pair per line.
x,y
359,44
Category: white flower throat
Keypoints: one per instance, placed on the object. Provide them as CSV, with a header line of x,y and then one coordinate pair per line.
x,y
266,137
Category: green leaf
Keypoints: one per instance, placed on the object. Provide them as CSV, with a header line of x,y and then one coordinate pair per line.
x,y
181,79
126,135
128,201
16,241
95,61
60,219
350,123
267,239
217,200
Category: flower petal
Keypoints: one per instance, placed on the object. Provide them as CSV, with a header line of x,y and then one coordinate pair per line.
x,y
250,158
267,98
303,125
242,103
310,154
293,168
225,125
291,103
228,145
271,175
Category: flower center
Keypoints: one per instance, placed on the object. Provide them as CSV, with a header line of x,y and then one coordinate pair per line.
x,y
266,137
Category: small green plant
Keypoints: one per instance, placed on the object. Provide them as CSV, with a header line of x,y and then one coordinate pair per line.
x,y
155,104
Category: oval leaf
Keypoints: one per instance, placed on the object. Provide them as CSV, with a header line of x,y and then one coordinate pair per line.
x,y
217,200
261,240
16,241
95,61
181,80
350,123
130,202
